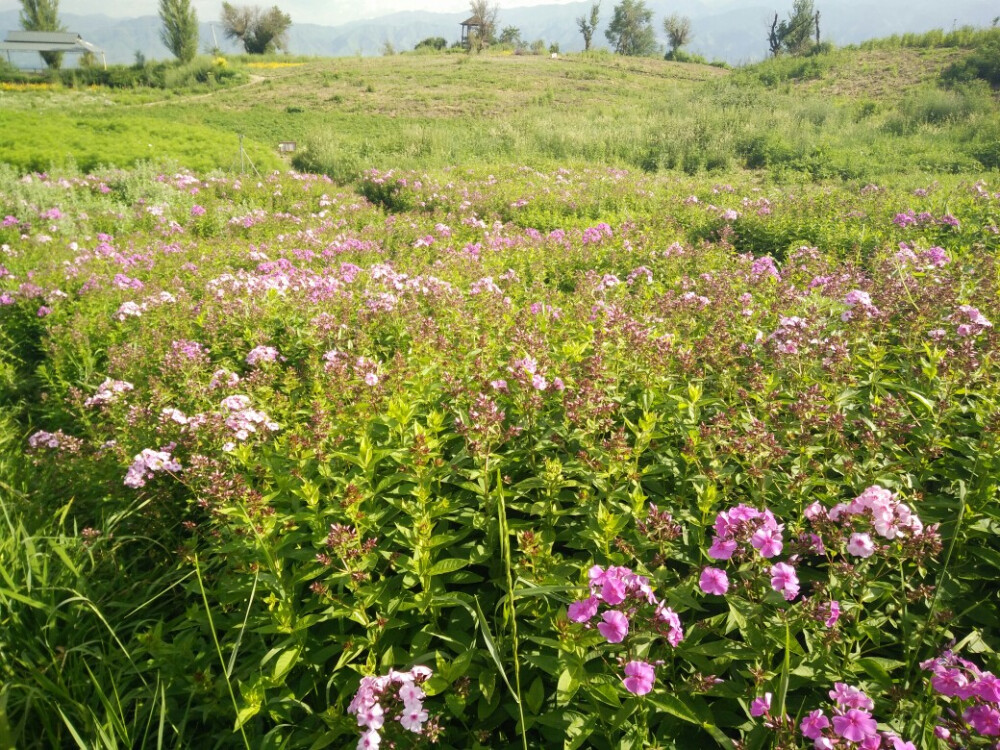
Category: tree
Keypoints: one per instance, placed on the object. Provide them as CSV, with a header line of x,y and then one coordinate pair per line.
x,y
794,34
180,28
510,35
588,24
488,12
631,29
43,15
678,31
432,42
259,31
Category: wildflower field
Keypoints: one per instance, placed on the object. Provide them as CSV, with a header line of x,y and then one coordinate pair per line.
x,y
564,458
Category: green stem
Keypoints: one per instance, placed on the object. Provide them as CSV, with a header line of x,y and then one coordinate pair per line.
x,y
511,609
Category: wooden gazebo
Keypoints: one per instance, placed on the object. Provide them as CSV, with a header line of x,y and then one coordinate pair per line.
x,y
473,23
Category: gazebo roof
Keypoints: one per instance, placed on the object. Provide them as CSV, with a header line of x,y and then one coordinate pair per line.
x,y
45,41
473,21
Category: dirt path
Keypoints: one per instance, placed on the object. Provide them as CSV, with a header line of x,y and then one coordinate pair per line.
x,y
254,80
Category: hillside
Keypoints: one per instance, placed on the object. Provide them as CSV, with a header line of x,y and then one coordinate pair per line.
x,y
791,117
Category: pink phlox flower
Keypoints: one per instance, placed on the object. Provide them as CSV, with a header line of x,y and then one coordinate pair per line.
x,y
370,740
261,354
830,613
714,581
849,696
639,677
861,545
413,718
784,580
409,693
813,724
675,632
615,626
898,743
984,719
584,610
761,705
854,725
767,541
371,716
722,549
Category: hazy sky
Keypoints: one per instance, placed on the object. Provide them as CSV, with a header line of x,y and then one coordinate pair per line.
x,y
327,12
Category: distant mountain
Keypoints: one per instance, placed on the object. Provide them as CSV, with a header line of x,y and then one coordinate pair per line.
x,y
735,32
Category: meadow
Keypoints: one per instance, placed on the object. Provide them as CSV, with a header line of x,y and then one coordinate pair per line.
x,y
517,433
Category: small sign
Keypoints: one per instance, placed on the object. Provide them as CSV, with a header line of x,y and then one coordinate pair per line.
x,y
286,147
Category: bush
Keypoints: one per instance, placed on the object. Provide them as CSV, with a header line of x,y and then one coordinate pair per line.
x,y
982,64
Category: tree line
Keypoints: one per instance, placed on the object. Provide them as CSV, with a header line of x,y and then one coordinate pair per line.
x,y
260,31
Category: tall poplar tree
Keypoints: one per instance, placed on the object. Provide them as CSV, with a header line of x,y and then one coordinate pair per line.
x,y
180,28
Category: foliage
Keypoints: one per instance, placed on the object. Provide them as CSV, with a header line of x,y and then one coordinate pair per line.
x,y
436,43
488,13
678,31
42,15
793,35
180,28
587,23
631,29
259,31
983,63
510,35
596,458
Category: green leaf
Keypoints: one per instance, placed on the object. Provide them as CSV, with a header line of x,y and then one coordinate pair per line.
x,y
535,697
447,566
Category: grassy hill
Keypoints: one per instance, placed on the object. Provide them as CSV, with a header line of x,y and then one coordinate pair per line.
x,y
852,113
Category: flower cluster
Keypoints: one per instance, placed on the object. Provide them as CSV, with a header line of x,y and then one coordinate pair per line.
x,y
858,301
744,525
242,420
971,322
851,722
146,464
978,693
261,354
108,392
876,510
625,595
396,696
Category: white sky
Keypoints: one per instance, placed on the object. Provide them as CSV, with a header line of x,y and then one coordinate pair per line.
x,y
326,12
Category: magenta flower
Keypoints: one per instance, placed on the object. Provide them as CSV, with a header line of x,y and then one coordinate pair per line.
x,y
850,697
613,590
639,677
855,725
784,580
722,549
767,541
761,705
984,719
831,613
714,581
813,724
582,611
614,627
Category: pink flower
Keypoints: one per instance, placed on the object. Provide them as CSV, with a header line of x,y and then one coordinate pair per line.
x,y
831,612
613,590
370,740
812,725
722,549
984,719
413,718
371,379
855,725
761,705
582,611
784,580
861,545
371,716
899,744
639,677
714,581
850,697
614,627
767,541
